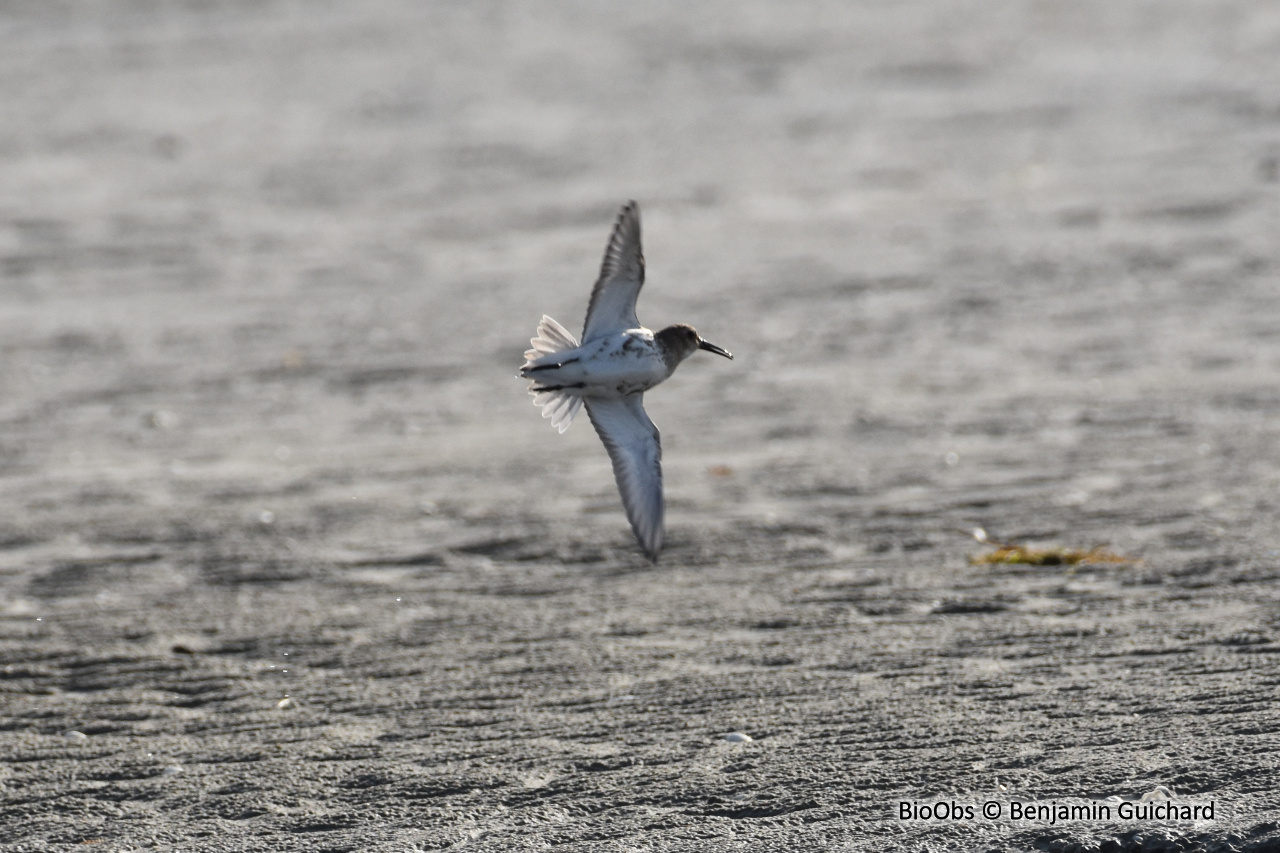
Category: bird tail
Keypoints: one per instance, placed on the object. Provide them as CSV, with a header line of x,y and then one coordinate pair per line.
x,y
558,403
551,337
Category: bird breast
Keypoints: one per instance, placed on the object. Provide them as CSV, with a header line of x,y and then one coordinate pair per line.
x,y
618,365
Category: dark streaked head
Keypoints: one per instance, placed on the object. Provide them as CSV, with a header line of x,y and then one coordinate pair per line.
x,y
680,341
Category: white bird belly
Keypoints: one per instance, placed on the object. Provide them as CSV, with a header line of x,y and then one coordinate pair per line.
x,y
612,367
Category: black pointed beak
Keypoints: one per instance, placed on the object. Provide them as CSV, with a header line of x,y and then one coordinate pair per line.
x,y
710,347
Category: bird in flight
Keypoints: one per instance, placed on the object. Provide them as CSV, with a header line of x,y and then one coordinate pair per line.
x,y
609,371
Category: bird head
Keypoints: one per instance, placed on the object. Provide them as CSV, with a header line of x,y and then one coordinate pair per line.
x,y
680,341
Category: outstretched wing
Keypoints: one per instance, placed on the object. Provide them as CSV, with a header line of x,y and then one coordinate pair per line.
x,y
634,447
613,300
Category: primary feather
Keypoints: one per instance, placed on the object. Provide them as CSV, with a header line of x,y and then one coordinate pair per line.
x,y
635,448
613,300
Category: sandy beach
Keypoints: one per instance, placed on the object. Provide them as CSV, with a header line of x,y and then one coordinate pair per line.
x,y
289,562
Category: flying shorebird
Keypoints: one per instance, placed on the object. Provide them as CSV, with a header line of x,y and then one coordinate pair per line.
x,y
617,361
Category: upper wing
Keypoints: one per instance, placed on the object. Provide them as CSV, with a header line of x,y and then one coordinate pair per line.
x,y
634,447
613,300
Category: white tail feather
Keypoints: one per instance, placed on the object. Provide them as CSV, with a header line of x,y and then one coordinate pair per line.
x,y
551,337
560,406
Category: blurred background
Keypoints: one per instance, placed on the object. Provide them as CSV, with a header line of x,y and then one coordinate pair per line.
x,y
267,270
278,260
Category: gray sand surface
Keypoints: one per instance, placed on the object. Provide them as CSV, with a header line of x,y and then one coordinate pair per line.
x,y
289,562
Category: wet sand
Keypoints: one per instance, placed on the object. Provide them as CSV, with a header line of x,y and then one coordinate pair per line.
x,y
289,561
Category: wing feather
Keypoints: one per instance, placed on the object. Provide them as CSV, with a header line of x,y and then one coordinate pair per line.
x,y
635,449
613,300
